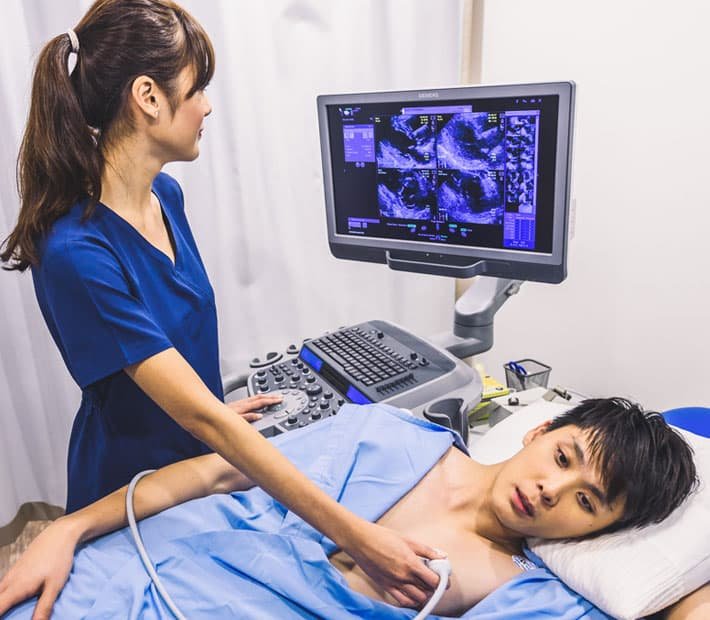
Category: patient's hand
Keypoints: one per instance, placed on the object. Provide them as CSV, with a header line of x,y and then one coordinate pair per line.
x,y
43,569
394,562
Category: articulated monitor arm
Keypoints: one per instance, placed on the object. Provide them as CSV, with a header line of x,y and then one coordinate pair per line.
x,y
473,316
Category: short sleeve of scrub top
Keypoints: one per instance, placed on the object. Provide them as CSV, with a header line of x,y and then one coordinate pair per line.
x,y
112,299
104,325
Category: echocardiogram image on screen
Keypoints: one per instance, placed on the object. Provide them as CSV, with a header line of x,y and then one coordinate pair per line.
x,y
473,197
406,194
453,172
470,151
473,141
405,142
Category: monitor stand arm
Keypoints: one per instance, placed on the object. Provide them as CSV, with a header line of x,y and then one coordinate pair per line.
x,y
473,316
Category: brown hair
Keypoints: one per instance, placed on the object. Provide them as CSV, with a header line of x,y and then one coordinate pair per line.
x,y
73,118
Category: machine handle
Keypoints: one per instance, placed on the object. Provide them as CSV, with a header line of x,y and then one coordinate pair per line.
x,y
436,269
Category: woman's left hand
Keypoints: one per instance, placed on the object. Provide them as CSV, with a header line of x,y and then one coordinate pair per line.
x,y
248,407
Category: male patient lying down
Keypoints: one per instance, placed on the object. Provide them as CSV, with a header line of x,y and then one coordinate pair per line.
x,y
600,467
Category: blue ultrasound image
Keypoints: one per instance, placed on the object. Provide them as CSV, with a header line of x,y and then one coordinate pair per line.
x,y
471,197
405,142
468,168
472,141
406,194
520,163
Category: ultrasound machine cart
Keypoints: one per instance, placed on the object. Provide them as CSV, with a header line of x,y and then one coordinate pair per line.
x,y
454,182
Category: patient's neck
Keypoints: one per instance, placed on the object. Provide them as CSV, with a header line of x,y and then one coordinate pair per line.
x,y
469,493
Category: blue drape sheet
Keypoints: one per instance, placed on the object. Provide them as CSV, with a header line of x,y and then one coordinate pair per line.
x,y
245,556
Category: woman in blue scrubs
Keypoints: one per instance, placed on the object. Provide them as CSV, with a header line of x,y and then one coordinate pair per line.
x,y
120,281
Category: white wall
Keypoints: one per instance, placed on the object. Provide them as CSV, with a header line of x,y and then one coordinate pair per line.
x,y
632,317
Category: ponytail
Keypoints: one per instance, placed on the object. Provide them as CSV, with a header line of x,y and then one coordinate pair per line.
x,y
73,117
58,161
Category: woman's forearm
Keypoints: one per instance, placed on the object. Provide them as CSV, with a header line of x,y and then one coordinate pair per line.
x,y
170,381
165,488
388,558
242,445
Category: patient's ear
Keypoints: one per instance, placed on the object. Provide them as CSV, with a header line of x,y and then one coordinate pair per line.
x,y
540,429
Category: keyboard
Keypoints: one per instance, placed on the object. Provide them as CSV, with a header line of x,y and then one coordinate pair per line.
x,y
362,355
370,362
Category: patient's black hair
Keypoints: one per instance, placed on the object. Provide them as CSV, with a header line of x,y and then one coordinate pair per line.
x,y
640,458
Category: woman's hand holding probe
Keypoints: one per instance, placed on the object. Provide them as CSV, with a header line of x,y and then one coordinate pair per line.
x,y
392,561
42,570
395,563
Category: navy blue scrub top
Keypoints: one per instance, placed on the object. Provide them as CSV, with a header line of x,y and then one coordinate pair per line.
x,y
111,299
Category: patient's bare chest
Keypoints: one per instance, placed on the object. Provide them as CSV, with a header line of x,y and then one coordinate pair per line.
x,y
423,515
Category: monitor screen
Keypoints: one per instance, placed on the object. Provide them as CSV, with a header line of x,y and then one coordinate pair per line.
x,y
457,181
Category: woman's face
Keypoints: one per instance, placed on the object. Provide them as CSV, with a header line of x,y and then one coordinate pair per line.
x,y
178,136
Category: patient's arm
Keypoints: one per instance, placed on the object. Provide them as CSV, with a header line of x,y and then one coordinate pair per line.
x,y
46,564
169,486
695,606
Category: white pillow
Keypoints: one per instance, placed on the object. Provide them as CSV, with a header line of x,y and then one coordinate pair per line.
x,y
627,574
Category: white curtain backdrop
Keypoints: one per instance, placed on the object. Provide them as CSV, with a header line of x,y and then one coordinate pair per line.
x,y
254,197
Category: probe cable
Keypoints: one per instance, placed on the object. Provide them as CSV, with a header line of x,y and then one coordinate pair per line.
x,y
141,549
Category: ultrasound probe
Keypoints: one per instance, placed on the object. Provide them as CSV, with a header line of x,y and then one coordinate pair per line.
x,y
442,567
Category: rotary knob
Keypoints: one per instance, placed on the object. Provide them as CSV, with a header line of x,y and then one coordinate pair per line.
x,y
314,390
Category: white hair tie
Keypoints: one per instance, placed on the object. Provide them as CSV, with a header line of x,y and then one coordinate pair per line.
x,y
74,41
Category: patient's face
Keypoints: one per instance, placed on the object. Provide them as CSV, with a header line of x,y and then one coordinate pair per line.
x,y
551,489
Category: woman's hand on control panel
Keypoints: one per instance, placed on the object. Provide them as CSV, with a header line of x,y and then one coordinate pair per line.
x,y
248,408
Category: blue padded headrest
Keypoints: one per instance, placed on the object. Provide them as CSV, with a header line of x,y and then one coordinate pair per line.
x,y
693,419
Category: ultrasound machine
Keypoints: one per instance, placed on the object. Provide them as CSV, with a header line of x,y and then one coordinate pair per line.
x,y
455,182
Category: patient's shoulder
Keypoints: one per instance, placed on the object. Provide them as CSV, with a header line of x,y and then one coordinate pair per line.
x,y
695,606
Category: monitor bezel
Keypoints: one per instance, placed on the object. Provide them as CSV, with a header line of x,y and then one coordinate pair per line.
x,y
501,262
